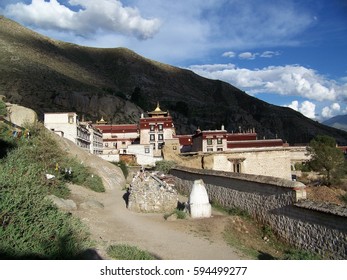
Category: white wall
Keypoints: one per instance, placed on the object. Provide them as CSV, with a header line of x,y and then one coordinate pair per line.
x,y
268,162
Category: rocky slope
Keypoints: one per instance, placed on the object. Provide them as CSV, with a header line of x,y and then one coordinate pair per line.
x,y
339,122
48,75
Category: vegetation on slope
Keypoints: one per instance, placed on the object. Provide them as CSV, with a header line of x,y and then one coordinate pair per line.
x,y
31,227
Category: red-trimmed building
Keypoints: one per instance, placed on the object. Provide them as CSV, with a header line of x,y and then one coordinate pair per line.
x,y
155,129
220,140
117,137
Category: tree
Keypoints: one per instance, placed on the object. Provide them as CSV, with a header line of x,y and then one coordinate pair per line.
x,y
326,158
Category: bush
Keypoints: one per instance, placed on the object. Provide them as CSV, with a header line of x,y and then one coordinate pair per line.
x,y
296,254
180,214
123,166
94,183
164,165
127,252
302,167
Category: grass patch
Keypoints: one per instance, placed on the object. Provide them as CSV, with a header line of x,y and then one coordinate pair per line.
x,y
294,254
31,226
127,252
231,211
257,241
180,214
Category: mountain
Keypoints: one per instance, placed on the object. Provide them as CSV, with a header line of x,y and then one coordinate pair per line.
x,y
118,84
339,122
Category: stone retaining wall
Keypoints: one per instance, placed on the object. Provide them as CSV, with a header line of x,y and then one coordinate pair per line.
x,y
278,203
149,194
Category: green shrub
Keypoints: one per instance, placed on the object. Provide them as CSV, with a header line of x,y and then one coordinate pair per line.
x,y
164,165
295,254
302,167
123,166
94,183
127,252
180,214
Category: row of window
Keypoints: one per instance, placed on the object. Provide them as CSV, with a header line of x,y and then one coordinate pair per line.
x,y
83,134
152,127
152,137
210,149
219,141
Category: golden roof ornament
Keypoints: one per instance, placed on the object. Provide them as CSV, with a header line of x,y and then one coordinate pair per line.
x,y
102,121
157,112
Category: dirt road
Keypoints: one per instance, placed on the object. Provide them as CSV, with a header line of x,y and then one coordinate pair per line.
x,y
173,240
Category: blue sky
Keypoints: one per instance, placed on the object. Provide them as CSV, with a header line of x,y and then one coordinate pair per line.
x,y
285,52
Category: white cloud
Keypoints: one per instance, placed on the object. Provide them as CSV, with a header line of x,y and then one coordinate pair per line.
x,y
306,108
178,29
269,54
95,16
247,55
289,80
294,105
330,111
229,54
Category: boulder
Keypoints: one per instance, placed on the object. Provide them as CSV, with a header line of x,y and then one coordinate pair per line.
x,y
63,204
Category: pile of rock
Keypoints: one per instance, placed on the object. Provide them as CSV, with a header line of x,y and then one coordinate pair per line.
x,y
148,193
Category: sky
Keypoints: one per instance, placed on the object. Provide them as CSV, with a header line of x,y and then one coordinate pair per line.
x,y
286,52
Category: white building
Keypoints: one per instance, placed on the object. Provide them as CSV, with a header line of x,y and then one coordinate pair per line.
x,y
81,133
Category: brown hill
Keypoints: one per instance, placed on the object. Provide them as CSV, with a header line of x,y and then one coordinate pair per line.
x,y
118,84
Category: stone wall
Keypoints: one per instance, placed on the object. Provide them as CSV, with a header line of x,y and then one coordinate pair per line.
x,y
279,203
149,194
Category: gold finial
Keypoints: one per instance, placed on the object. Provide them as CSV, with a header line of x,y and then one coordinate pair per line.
x,y
158,108
102,121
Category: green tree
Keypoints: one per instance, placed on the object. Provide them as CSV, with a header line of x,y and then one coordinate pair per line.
x,y
326,158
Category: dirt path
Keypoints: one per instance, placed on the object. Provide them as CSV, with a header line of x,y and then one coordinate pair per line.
x,y
179,239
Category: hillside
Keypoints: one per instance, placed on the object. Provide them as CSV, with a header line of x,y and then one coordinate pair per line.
x,y
118,84
339,122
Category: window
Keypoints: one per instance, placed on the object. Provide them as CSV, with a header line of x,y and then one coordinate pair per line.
x,y
219,149
210,149
70,118
209,141
160,136
160,127
151,127
147,150
153,146
151,137
237,167
106,144
219,141
160,145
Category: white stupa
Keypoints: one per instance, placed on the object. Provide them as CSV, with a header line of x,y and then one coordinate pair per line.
x,y
199,204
